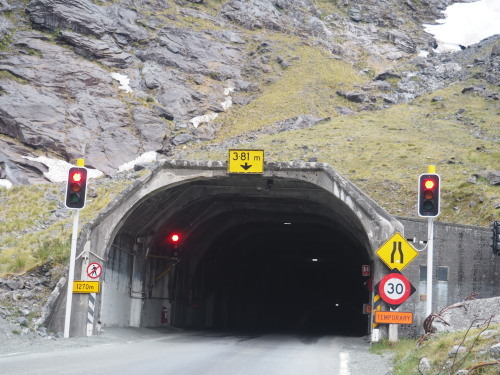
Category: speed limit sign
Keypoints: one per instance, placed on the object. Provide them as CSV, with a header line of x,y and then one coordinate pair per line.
x,y
395,288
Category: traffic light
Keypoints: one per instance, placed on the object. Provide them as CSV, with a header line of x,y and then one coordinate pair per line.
x,y
428,194
76,188
496,238
174,243
175,238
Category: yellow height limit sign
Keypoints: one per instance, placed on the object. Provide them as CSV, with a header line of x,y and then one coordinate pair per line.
x,y
246,161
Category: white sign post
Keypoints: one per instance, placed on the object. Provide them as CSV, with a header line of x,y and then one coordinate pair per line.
x,y
81,188
71,276
430,265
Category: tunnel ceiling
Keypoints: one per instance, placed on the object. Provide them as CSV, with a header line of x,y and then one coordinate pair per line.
x,y
242,209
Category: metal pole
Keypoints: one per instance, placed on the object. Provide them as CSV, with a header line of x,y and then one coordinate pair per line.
x,y
430,265
71,276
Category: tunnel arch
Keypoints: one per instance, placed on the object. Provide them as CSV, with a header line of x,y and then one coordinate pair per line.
x,y
292,224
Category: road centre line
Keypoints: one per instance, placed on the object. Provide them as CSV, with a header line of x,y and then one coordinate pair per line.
x,y
344,364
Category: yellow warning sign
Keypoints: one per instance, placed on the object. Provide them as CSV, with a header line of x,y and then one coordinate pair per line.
x,y
397,252
86,287
246,161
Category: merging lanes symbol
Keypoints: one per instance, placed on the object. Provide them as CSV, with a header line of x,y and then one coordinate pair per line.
x,y
397,252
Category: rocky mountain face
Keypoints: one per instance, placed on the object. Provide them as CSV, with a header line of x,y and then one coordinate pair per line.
x,y
112,79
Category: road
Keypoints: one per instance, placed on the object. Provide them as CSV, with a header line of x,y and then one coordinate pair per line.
x,y
205,353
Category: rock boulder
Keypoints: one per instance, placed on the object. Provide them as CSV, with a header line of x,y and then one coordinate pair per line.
x,y
473,313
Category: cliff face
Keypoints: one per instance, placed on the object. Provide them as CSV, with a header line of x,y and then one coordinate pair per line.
x,y
113,79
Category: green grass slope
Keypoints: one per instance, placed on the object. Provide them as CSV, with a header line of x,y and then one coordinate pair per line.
x,y
477,357
381,151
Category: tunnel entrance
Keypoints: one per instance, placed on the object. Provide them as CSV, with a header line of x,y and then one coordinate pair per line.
x,y
282,250
254,254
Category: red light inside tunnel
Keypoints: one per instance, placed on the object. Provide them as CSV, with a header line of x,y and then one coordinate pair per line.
x,y
175,238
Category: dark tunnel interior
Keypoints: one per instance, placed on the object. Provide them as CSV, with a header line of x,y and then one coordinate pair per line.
x,y
299,275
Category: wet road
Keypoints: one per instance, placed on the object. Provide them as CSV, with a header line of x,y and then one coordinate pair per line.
x,y
189,353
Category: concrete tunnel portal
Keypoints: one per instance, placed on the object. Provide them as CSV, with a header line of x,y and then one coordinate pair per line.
x,y
282,251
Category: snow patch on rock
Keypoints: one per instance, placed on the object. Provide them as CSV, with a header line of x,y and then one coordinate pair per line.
x,y
466,24
5,184
206,118
147,157
124,81
58,169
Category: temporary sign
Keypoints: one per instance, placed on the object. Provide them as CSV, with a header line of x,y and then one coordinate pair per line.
x,y
397,252
393,317
86,287
246,161
394,289
94,270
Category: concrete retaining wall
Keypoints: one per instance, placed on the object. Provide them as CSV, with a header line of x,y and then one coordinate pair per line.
x,y
464,266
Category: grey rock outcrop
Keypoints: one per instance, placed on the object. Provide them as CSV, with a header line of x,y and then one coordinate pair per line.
x,y
69,107
106,52
494,178
473,313
193,52
495,351
424,366
85,17
57,94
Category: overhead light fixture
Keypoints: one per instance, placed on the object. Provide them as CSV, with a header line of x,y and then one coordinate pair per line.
x,y
314,259
287,223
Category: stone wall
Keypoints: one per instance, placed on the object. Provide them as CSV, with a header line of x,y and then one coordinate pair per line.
x,y
464,266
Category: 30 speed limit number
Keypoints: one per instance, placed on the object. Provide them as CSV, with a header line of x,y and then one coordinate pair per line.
x,y
395,288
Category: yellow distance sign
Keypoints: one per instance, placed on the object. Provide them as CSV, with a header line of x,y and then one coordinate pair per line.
x,y
246,161
86,287
397,252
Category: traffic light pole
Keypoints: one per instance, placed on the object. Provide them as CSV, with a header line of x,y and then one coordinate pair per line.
x,y
430,264
71,276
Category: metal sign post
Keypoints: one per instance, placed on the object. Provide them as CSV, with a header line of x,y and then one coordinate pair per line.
x,y
430,264
429,191
74,236
71,276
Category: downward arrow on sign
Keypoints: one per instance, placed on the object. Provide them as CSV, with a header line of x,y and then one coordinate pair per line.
x,y
246,166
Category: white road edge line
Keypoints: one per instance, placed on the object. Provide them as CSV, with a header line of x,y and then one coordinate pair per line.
x,y
11,354
344,364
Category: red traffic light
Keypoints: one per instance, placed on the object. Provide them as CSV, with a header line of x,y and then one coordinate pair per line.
x,y
76,187
428,195
429,184
175,238
77,176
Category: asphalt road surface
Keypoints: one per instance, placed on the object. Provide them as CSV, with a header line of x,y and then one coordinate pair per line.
x,y
152,352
